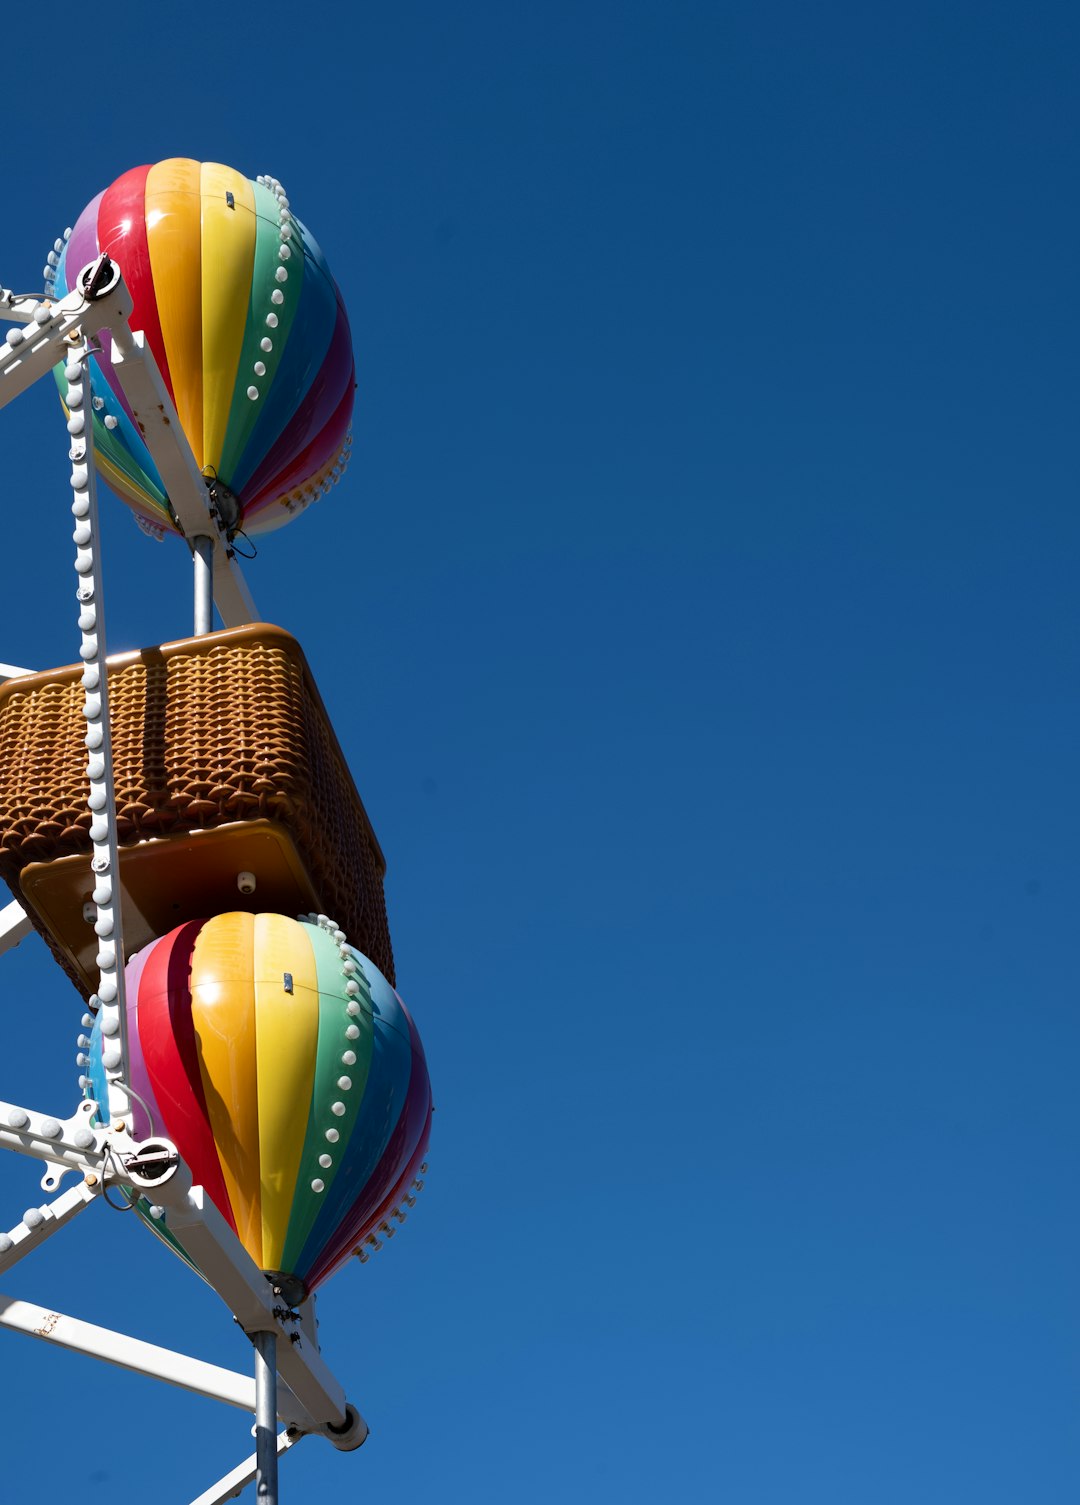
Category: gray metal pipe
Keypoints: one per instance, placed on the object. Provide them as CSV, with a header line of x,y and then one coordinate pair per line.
x,y
266,1443
203,551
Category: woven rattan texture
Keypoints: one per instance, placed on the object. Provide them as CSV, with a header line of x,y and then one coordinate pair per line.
x,y
199,739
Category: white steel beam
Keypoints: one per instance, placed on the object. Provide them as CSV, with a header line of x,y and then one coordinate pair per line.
x,y
40,1223
124,1352
157,420
148,396
15,926
233,1483
47,337
69,1144
14,310
226,1265
32,350
231,595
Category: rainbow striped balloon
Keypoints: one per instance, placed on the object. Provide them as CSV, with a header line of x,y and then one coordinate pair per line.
x,y
289,1075
248,329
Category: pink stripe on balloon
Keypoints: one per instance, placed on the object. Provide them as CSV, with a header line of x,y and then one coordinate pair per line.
x,y
82,246
140,1077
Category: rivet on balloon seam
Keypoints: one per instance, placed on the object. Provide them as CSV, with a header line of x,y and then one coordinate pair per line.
x,y
281,274
52,263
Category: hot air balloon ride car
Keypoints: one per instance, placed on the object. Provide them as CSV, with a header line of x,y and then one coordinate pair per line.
x,y
290,1077
248,329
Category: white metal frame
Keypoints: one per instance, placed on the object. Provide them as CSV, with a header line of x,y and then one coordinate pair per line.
x,y
50,331
104,1154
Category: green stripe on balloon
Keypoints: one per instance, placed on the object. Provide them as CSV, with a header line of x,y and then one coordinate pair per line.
x,y
158,1227
334,1023
244,412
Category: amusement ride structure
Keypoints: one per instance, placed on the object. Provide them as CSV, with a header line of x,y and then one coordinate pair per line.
x,y
179,824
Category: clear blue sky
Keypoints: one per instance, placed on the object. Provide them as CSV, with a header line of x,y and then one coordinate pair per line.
x,y
699,619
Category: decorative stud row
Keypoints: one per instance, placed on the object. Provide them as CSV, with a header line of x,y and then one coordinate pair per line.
x,y
372,1243
355,989
52,261
109,998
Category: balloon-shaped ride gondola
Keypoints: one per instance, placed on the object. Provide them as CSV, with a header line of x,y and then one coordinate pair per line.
x,y
289,1075
248,329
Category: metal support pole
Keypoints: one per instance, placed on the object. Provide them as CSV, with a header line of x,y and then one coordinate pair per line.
x,y
229,1488
266,1449
203,550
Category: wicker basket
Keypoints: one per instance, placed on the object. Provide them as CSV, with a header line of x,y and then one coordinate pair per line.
x,y
223,757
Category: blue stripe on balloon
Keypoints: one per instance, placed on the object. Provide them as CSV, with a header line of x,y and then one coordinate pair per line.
x,y
132,439
95,1070
381,1107
305,351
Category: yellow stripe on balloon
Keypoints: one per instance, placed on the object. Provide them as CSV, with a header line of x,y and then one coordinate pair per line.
x,y
174,232
287,1004
228,260
223,1012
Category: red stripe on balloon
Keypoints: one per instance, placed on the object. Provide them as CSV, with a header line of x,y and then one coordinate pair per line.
x,y
393,1173
332,381
122,233
170,1051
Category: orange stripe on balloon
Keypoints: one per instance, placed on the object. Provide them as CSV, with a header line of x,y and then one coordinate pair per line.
x,y
287,1004
228,260
223,1012
174,236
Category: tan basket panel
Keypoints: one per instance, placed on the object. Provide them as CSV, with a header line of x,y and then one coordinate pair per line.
x,y
205,732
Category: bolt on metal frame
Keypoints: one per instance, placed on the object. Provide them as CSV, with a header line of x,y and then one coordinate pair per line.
x,y
292,1383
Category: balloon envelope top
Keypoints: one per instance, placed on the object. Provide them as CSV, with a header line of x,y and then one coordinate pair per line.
x,y
289,1075
248,328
